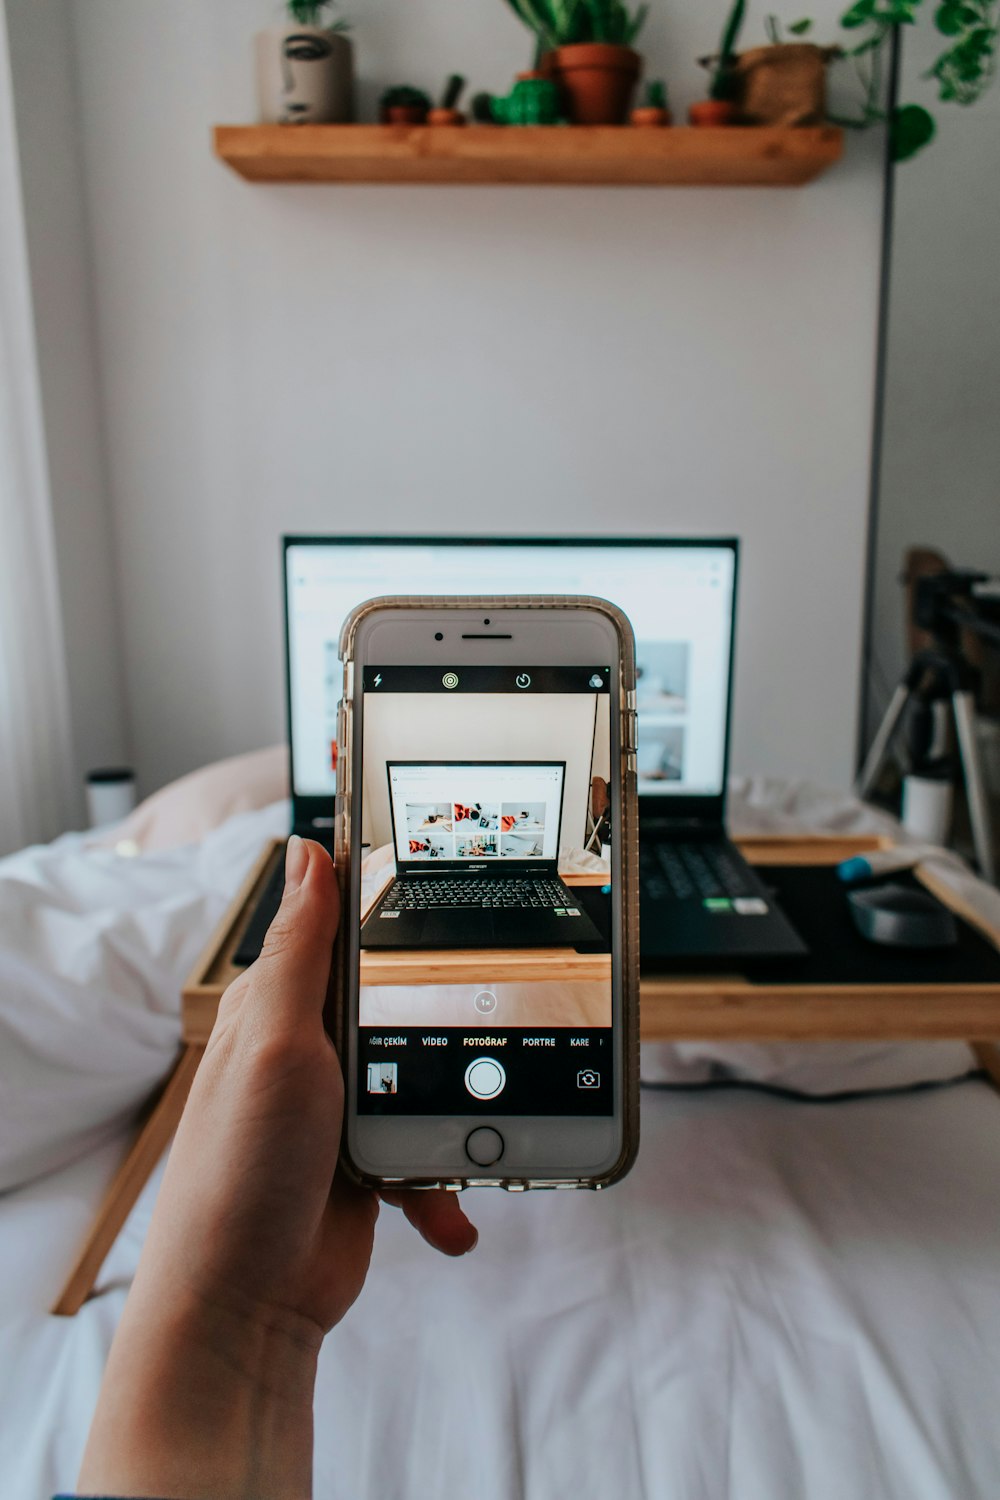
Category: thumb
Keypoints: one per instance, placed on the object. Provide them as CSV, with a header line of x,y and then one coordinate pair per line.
x,y
290,978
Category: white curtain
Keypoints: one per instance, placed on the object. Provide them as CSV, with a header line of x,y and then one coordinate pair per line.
x,y
36,759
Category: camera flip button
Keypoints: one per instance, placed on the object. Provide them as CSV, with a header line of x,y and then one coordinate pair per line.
x,y
484,1146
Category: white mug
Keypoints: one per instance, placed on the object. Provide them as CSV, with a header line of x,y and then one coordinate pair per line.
x,y
927,808
110,795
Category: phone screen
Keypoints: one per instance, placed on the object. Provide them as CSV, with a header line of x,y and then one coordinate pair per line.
x,y
485,982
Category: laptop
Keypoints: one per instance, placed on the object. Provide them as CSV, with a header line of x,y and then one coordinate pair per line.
x,y
476,845
700,901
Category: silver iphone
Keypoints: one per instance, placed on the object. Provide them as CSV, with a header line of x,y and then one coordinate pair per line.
x,y
486,1006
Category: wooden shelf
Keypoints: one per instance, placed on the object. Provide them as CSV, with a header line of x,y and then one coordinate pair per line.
x,y
580,154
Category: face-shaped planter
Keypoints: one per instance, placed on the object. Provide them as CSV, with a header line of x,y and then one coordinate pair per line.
x,y
305,76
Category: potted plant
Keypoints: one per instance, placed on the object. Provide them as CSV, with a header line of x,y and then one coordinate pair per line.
x,y
447,112
654,111
305,67
586,46
785,82
720,106
403,105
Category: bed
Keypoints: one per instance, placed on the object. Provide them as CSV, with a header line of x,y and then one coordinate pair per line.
x,y
785,1299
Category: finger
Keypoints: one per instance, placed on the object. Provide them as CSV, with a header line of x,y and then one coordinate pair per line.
x,y
438,1217
289,979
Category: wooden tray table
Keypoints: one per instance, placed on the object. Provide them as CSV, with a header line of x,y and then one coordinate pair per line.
x,y
674,1008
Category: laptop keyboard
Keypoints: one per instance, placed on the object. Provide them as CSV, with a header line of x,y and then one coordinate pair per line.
x,y
680,872
423,895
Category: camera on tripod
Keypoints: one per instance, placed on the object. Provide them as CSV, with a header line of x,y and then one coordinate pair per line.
x,y
946,604
959,611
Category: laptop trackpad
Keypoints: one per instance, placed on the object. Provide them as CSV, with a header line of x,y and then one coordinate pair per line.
x,y
456,929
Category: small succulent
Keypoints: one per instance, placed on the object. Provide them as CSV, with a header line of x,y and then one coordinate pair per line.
x,y
313,13
656,94
404,94
452,91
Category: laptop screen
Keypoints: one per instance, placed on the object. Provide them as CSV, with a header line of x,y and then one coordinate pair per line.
x,y
466,811
679,596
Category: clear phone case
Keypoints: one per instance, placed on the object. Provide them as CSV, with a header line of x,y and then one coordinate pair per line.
x,y
627,893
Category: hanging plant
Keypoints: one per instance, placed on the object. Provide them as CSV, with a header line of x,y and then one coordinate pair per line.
x,y
964,70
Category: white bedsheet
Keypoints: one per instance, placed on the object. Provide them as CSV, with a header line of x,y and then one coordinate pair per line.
x,y
783,1302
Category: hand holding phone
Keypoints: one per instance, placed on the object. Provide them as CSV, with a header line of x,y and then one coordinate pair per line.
x,y
487,1007
257,1245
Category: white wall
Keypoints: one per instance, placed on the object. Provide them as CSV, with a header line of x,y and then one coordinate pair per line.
x,y
481,359
48,127
940,483
543,727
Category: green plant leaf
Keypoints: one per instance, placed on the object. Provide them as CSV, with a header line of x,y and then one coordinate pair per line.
x,y
948,20
800,28
733,27
910,129
858,14
637,23
532,16
898,12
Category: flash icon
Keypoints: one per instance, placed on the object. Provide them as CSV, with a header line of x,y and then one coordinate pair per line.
x,y
378,679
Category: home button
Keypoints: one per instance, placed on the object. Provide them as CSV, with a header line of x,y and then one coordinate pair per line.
x,y
484,1146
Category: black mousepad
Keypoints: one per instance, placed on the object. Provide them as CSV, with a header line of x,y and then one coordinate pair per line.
x,y
815,902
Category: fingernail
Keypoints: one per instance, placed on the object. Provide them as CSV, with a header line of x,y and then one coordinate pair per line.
x,y
475,1242
296,863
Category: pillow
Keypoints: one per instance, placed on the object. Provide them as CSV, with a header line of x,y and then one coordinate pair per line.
x,y
815,1068
186,810
94,949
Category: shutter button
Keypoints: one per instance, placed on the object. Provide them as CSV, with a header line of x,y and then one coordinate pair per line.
x,y
484,1146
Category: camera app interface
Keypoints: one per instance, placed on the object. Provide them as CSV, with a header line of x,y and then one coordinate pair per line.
x,y
486,829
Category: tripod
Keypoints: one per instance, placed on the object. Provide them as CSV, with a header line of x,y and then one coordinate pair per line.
x,y
936,675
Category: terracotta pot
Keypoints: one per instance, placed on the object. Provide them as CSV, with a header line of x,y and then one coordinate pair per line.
x,y
305,75
404,114
597,81
445,117
783,85
713,112
647,116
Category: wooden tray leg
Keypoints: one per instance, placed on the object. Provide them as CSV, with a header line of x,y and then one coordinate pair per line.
x,y
128,1182
988,1058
